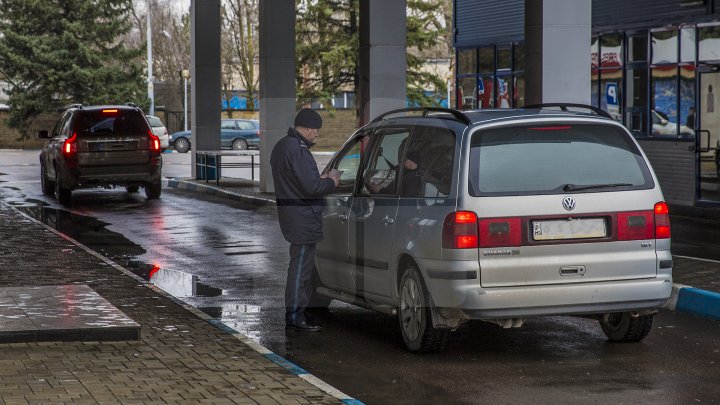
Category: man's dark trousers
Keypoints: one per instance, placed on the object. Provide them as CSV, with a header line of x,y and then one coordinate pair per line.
x,y
298,288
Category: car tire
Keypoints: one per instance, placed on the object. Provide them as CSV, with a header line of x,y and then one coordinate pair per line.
x,y
153,190
63,195
239,144
132,189
418,332
182,145
47,185
623,327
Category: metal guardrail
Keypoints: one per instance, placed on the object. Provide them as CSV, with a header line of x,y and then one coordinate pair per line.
x,y
209,164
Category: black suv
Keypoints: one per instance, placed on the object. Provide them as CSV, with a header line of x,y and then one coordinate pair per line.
x,y
100,146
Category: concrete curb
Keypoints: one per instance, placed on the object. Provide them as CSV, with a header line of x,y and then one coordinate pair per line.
x,y
214,190
282,362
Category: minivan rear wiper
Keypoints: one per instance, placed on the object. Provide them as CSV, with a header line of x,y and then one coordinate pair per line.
x,y
572,187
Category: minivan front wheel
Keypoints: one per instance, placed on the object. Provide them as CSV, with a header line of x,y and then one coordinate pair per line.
x,y
414,316
624,327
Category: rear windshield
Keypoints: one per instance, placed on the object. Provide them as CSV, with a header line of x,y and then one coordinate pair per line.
x,y
110,122
551,159
154,121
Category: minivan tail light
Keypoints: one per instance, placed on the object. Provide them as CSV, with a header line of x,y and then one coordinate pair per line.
x,y
460,230
70,146
636,225
662,221
154,142
500,232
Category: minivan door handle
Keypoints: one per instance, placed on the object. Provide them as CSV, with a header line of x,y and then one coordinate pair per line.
x,y
572,271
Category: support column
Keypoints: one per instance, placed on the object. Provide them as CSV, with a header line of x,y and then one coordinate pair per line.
x,y
205,69
557,51
383,64
277,79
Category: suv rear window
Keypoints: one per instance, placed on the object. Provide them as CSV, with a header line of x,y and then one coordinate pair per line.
x,y
154,121
552,159
110,121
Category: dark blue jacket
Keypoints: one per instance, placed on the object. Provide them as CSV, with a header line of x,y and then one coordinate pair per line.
x,y
298,189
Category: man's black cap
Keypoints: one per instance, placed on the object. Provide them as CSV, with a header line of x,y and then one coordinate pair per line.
x,y
308,118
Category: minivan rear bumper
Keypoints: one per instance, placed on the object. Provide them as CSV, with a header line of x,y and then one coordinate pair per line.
x,y
466,293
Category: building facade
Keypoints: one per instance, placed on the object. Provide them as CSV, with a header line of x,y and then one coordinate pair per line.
x,y
655,67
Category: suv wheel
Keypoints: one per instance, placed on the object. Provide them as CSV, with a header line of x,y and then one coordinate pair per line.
x,y
623,327
182,145
239,144
153,190
414,316
47,185
64,195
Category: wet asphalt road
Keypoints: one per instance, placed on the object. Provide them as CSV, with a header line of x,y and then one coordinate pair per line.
x,y
229,260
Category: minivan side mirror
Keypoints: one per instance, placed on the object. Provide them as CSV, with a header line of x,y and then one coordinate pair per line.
x,y
43,133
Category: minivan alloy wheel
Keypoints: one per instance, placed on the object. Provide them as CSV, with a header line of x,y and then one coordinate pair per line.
x,y
239,144
182,145
414,311
410,309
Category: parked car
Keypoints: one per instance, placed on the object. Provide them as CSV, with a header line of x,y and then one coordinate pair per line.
x,y
159,130
520,213
100,146
237,134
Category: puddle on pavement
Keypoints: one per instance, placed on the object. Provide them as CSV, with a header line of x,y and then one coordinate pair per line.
x,y
93,233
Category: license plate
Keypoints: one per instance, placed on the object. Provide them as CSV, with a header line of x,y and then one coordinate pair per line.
x,y
569,229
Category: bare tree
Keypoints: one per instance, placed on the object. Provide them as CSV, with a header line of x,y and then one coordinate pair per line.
x,y
241,31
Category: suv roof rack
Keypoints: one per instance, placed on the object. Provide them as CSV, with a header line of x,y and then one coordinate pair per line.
x,y
564,107
76,105
426,111
131,104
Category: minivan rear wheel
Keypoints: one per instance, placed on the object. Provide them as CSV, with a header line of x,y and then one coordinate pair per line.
x,y
624,327
153,190
416,325
64,195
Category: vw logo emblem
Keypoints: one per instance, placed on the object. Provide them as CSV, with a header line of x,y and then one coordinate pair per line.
x,y
568,203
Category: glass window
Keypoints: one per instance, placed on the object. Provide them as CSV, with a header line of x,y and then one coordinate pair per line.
x,y
245,125
637,48
486,61
687,101
519,90
467,62
636,93
522,160
709,47
663,86
594,55
519,57
687,44
504,58
610,91
381,173
227,124
349,164
466,93
664,46
611,49
504,89
100,123
485,86
428,164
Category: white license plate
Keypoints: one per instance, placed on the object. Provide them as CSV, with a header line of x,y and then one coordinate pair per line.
x,y
569,229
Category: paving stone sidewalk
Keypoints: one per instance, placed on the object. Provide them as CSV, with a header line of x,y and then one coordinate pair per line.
x,y
181,358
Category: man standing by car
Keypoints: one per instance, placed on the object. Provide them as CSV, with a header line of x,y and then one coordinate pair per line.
x,y
299,188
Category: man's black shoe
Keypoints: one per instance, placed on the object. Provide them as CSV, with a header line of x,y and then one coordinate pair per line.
x,y
303,326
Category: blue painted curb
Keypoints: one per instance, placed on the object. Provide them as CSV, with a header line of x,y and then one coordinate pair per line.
x,y
699,302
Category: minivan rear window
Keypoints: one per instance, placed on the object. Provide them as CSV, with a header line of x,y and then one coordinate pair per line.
x,y
555,158
111,121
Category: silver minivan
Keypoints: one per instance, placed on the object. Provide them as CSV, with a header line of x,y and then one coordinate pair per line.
x,y
443,216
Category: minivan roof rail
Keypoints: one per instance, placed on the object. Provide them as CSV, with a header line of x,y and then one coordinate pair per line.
x,y
426,111
564,107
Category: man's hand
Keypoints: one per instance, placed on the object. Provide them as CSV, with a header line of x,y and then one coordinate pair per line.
x,y
335,176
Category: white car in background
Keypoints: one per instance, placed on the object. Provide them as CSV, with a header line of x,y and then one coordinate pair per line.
x,y
160,131
661,126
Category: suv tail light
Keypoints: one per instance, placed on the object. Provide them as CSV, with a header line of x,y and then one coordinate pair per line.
x,y
662,221
497,232
460,230
154,142
637,225
70,147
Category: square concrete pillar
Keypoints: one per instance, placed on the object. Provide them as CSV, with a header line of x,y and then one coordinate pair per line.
x,y
277,79
383,63
205,70
557,51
